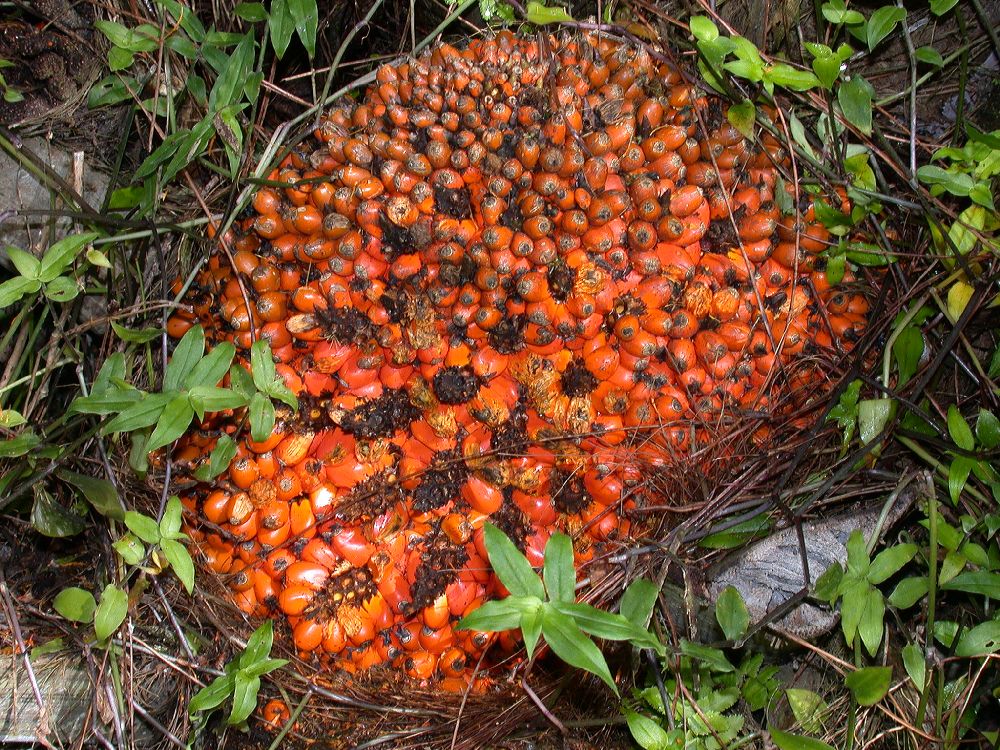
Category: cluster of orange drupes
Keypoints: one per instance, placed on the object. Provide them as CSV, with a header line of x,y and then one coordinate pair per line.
x,y
483,281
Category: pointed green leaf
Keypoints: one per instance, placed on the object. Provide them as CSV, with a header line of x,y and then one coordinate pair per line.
x,y
572,645
958,475
212,695
855,98
493,617
889,561
129,548
281,27
218,461
50,518
170,523
261,417
61,254
306,18
173,423
258,645
638,601
559,572
100,493
62,289
788,741
647,733
14,289
244,698
882,23
262,365
110,612
959,429
731,613
908,592
188,352
511,567
869,684
916,667
531,628
75,604
982,640
180,562
143,527
211,368
26,264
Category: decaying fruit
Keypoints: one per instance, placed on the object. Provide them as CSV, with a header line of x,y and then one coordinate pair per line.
x,y
499,284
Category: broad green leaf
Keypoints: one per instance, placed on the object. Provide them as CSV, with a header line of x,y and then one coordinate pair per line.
x,y
62,289
929,55
827,586
959,429
75,604
19,445
110,612
852,607
172,424
170,523
180,562
958,475
869,685
281,26
241,381
229,85
252,12
855,98
979,582
788,741
731,613
908,592
511,567
212,695
807,707
940,7
572,645
96,258
648,734
109,401
244,698
210,398
873,415
981,640
14,289
112,373
143,527
51,519
531,629
188,352
956,183
306,17
258,645
541,14
162,154
713,657
262,365
559,571
839,14
262,667
218,461
129,548
143,413
211,368
61,254
988,429
791,78
703,29
858,561
601,624
493,617
870,628
26,264
100,493
882,23
888,562
135,336
742,116
11,418
261,417
916,667
638,601
907,349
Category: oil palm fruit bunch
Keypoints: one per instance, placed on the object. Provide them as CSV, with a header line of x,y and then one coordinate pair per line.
x,y
502,282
